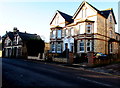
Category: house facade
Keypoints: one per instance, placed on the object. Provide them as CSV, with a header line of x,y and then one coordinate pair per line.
x,y
18,44
89,29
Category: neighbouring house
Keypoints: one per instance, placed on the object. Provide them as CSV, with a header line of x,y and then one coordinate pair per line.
x,y
18,44
89,29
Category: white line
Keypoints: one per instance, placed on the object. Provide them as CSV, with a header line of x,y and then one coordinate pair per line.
x,y
95,82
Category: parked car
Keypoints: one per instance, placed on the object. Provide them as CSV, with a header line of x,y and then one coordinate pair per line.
x,y
100,56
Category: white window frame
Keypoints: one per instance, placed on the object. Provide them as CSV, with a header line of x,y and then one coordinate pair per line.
x,y
79,28
72,31
53,48
90,26
111,47
66,32
83,46
53,34
90,45
110,18
59,48
59,33
84,12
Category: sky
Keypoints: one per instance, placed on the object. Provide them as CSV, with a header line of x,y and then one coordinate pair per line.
x,y
34,16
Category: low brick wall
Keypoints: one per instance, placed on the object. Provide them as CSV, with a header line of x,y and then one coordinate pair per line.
x,y
104,61
96,61
101,61
64,60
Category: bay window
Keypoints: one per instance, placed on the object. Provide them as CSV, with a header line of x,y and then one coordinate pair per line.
x,y
59,33
72,31
66,32
88,45
58,48
81,46
53,47
89,28
53,33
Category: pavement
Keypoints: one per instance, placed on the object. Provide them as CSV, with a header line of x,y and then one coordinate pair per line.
x,y
111,69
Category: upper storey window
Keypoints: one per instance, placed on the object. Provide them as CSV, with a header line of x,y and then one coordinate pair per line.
x,y
72,31
57,20
59,33
84,12
110,18
89,28
53,34
66,32
8,42
111,34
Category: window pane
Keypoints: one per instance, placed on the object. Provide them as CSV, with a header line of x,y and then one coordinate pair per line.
x,y
72,32
88,48
81,48
88,44
54,33
59,34
53,47
81,44
88,28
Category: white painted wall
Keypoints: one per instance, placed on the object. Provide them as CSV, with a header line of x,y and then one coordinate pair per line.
x,y
61,21
91,15
68,41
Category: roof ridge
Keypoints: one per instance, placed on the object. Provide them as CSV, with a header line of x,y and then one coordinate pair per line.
x,y
63,13
107,9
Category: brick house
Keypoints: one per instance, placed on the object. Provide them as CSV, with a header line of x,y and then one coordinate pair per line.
x,y
89,29
18,44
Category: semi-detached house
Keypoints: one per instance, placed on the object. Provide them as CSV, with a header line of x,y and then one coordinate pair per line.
x,y
89,29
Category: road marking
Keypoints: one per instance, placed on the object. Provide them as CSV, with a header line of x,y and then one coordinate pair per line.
x,y
95,82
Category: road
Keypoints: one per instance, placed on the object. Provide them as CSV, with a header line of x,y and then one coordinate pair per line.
x,y
20,73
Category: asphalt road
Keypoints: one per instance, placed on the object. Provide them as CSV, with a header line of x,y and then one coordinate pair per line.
x,y
19,73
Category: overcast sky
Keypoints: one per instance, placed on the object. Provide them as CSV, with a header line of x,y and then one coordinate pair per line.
x,y
34,16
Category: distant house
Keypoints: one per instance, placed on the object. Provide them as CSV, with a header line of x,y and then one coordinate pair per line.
x,y
18,44
47,46
89,29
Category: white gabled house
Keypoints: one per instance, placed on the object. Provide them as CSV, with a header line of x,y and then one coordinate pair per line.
x,y
89,29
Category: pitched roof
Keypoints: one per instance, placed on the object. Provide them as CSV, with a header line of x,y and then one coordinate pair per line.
x,y
27,36
81,5
104,13
9,34
23,36
67,17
